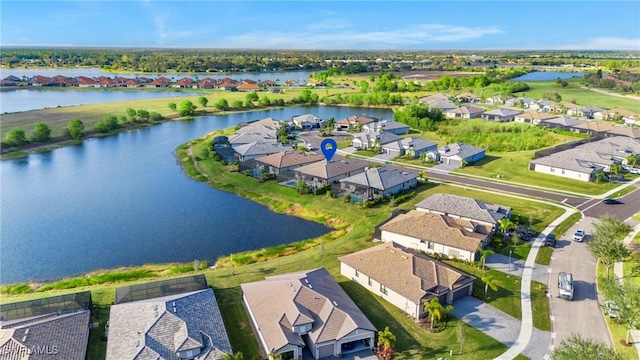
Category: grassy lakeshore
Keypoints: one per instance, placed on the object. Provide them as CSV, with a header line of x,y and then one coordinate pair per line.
x,y
353,227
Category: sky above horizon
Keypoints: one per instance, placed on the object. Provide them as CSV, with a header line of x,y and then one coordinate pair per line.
x,y
348,25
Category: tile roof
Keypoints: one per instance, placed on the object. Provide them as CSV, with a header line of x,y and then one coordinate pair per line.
x,y
464,151
248,137
310,118
564,121
417,144
326,170
392,125
407,272
381,178
289,158
356,119
159,327
258,129
68,332
502,112
260,148
612,129
535,115
464,207
306,297
267,122
466,109
440,229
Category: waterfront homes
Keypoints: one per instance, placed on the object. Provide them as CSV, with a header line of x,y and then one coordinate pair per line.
x,y
435,234
500,115
157,321
285,161
377,182
582,161
405,278
388,126
306,309
412,147
458,154
307,121
245,152
353,122
484,216
322,173
53,327
373,140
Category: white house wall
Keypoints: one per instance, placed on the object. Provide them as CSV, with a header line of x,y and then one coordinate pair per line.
x,y
545,169
393,297
401,187
414,243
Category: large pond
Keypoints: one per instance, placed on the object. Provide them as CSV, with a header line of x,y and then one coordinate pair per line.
x,y
124,200
548,75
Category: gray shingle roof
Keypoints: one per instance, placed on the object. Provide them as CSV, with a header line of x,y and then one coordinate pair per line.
x,y
464,207
464,151
155,327
278,301
392,125
387,137
246,138
326,170
407,272
382,178
260,148
564,121
502,112
418,144
69,332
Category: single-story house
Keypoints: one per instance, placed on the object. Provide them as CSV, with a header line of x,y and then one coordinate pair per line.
x,y
500,115
247,137
465,112
353,121
405,278
388,126
435,234
545,106
322,173
431,98
306,309
370,140
498,99
285,161
248,87
562,122
444,105
413,147
485,216
468,98
244,152
608,129
307,121
378,182
51,328
458,154
532,117
179,326
616,114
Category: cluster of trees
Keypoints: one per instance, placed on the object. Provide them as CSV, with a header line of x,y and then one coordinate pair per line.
x,y
418,116
18,137
374,98
133,116
552,95
624,81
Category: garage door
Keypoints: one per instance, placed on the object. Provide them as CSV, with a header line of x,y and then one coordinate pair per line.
x,y
326,350
460,293
453,162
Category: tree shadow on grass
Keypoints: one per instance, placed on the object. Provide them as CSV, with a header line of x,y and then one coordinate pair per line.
x,y
487,159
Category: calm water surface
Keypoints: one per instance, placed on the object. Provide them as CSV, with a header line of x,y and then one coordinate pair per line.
x,y
124,200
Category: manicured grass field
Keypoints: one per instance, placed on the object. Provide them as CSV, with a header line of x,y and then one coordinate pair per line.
x,y
581,96
514,166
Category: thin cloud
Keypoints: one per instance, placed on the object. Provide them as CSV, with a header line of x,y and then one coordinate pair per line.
x,y
605,43
412,36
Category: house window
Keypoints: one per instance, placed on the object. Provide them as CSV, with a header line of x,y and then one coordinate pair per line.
x,y
553,170
563,171
383,289
357,273
430,245
369,281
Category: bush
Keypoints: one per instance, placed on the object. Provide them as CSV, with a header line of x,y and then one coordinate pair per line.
x,y
15,289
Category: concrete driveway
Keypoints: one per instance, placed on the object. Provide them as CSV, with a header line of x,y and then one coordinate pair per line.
x,y
500,326
582,315
501,263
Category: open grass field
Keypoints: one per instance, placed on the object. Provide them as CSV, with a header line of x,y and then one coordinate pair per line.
x,y
581,96
514,166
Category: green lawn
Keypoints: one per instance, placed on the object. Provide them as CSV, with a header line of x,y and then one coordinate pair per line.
x,y
544,255
581,96
507,297
566,224
514,166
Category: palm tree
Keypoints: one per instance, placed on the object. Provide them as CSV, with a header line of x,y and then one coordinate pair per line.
x,y
615,168
506,224
485,253
599,176
435,310
237,356
633,160
386,340
489,282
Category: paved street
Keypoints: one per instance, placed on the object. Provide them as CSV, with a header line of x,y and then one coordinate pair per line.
x,y
583,314
623,211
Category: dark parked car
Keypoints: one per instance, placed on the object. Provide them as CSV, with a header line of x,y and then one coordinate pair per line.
x,y
550,240
612,201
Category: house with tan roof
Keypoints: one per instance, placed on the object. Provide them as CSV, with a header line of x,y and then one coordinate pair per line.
x,y
484,216
465,112
607,129
306,311
323,173
377,182
435,234
286,161
405,277
500,115
532,117
248,87
354,121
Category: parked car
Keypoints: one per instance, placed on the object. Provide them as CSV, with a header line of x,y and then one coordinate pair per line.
x,y
549,240
578,235
612,201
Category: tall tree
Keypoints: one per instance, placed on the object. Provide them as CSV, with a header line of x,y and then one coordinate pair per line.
x,y
75,127
203,101
576,347
435,310
489,282
41,132
386,341
483,257
606,245
506,225
172,106
186,108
